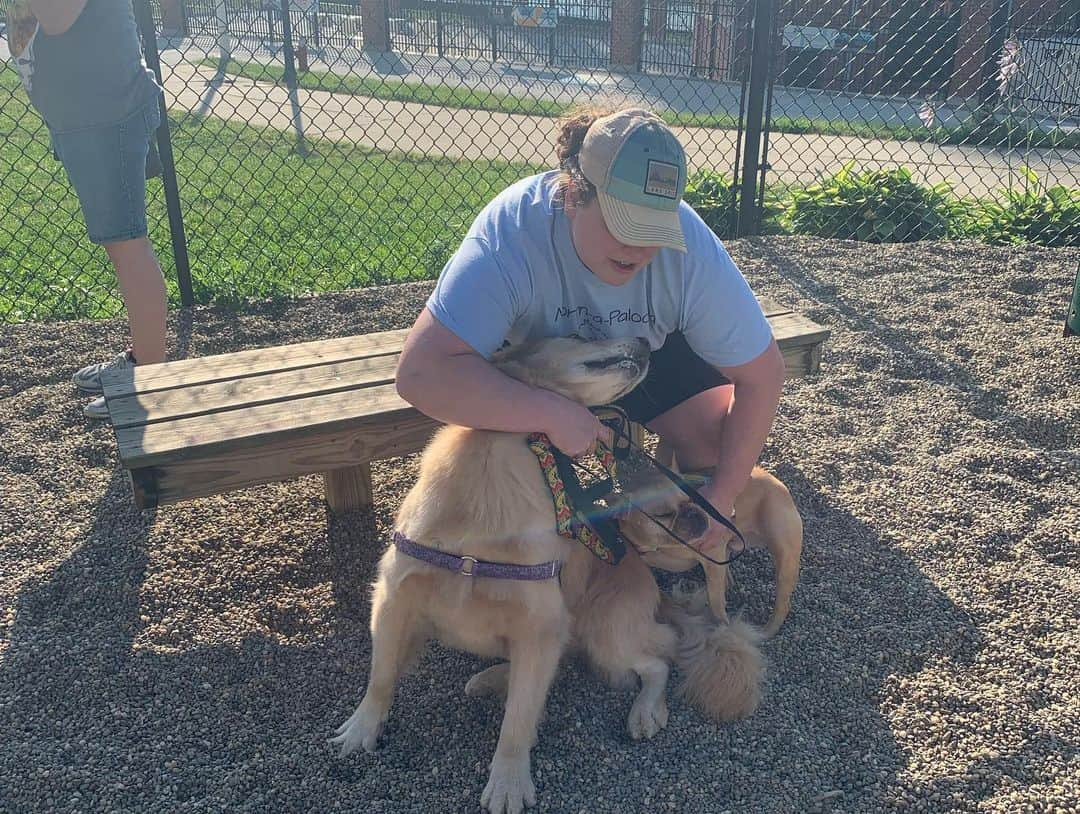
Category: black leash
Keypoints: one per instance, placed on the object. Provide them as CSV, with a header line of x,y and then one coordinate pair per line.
x,y
623,442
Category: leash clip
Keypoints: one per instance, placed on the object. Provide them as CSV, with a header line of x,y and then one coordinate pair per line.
x,y
468,565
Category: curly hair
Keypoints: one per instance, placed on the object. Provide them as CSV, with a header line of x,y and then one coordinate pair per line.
x,y
575,189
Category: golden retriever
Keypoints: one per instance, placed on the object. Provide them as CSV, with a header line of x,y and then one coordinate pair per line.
x,y
481,493
764,513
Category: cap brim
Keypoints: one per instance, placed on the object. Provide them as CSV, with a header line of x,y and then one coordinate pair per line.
x,y
641,225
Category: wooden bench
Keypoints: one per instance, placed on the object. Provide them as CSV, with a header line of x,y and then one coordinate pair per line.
x,y
204,426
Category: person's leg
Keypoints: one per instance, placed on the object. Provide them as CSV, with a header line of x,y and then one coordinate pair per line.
x,y
107,167
143,289
692,429
684,400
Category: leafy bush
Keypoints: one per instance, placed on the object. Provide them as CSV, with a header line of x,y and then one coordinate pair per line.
x,y
713,196
1048,216
879,206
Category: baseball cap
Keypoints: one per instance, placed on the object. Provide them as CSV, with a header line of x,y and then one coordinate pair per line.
x,y
639,170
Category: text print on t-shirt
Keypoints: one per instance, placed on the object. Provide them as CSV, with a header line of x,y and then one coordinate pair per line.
x,y
582,314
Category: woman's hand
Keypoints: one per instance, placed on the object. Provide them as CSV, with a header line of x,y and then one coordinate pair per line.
x,y
572,428
718,538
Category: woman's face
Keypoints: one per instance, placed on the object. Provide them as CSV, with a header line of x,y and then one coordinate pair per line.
x,y
613,262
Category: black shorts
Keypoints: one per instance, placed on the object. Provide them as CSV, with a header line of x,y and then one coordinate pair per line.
x,y
675,374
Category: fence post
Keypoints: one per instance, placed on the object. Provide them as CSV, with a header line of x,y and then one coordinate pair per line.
x,y
224,36
375,26
1072,321
760,65
145,20
290,77
627,34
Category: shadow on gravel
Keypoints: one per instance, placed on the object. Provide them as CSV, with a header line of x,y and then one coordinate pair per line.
x,y
864,616
67,668
244,726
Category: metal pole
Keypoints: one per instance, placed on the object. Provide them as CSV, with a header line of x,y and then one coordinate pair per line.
x,y
760,59
290,79
774,35
439,31
551,34
224,36
145,20
1072,321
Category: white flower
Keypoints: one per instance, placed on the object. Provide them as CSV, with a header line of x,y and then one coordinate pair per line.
x,y
1008,64
927,114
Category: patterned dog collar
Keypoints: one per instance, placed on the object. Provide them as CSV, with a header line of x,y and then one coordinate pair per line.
x,y
569,520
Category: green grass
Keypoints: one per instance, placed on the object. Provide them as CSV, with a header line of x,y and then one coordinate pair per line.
x,y
260,220
396,89
48,268
478,99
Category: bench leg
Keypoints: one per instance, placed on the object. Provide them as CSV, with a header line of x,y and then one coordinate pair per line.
x,y
348,488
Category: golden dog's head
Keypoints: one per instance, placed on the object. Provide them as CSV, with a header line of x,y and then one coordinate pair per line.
x,y
655,494
589,372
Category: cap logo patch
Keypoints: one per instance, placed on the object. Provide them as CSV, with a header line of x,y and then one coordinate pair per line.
x,y
662,179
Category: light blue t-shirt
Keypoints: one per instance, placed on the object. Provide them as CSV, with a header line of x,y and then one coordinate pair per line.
x,y
517,277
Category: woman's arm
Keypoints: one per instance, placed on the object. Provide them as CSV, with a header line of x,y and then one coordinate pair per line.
x,y
743,432
443,377
742,435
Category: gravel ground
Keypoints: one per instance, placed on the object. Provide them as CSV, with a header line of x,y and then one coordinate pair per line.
x,y
195,658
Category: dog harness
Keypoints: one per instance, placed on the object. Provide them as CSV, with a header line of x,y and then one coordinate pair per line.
x,y
471,567
597,532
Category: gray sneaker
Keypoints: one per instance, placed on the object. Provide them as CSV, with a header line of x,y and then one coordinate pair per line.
x,y
96,409
89,378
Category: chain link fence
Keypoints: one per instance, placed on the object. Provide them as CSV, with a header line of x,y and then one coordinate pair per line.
x,y
316,145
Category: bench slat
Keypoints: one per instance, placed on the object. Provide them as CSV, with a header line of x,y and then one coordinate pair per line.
x,y
184,402
174,403
207,369
150,444
793,329
365,441
225,366
143,444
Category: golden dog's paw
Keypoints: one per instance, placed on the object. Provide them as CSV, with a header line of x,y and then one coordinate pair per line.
x,y
647,717
510,788
362,729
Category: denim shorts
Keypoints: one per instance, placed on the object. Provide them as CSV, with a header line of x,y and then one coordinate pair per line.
x,y
107,167
676,374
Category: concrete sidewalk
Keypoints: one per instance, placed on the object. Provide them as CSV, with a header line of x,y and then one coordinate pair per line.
x,y
435,131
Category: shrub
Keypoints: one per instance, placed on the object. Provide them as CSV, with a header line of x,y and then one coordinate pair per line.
x,y
1048,216
879,206
713,196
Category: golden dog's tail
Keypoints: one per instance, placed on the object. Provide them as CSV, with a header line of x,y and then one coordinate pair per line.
x,y
720,663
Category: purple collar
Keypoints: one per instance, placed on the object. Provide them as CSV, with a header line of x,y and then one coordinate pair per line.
x,y
471,567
